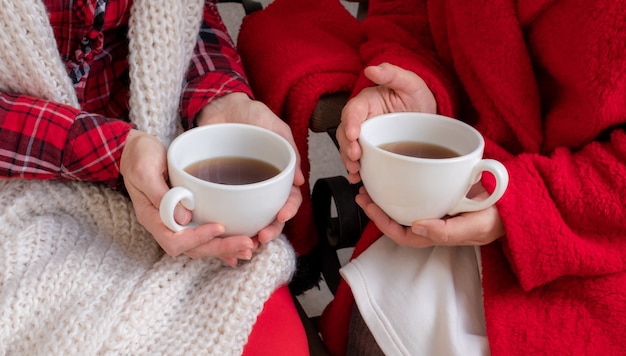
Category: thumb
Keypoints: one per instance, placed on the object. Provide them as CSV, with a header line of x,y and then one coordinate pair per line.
x,y
390,75
407,85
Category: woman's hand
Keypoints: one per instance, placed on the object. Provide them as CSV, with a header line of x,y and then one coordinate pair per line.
x,y
397,90
400,90
144,168
474,228
238,107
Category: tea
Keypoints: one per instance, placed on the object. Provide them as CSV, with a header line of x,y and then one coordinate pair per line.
x,y
419,149
232,170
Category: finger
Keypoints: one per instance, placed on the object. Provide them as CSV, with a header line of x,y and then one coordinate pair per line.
x,y
390,75
353,167
353,151
154,188
353,178
181,215
148,213
434,229
376,214
350,154
467,229
342,141
379,74
270,232
352,116
231,261
298,179
382,220
402,235
255,241
411,92
177,243
222,247
447,232
147,175
285,131
289,210
244,255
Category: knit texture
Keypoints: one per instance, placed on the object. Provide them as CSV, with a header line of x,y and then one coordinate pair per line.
x,y
78,273
30,62
80,276
162,37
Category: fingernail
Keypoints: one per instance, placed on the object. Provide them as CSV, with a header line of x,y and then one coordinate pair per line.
x,y
420,230
245,254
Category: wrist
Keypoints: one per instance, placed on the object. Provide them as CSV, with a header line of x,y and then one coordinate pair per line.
x,y
215,110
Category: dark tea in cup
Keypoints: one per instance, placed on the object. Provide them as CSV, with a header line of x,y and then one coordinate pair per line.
x,y
232,170
419,149
435,161
237,175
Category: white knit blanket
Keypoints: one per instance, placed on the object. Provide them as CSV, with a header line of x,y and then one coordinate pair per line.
x,y
78,274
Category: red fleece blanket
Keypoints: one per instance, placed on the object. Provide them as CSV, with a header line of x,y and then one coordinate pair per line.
x,y
294,52
545,82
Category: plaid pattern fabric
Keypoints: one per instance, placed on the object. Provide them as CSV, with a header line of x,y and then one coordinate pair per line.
x,y
40,139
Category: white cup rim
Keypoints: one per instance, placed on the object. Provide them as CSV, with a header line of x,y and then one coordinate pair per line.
x,y
363,140
289,167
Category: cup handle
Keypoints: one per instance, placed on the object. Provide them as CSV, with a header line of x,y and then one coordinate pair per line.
x,y
168,204
502,181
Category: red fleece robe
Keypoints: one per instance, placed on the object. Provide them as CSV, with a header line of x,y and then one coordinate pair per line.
x,y
545,82
296,51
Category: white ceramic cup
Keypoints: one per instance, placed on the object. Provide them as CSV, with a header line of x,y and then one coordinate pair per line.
x,y
411,188
241,209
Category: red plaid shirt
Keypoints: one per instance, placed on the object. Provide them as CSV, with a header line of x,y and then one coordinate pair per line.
x,y
40,139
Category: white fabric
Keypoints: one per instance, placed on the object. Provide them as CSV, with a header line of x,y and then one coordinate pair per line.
x,y
78,274
36,67
162,37
420,301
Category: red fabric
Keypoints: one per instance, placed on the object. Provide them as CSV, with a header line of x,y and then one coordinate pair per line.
x,y
278,330
335,318
47,140
300,61
545,82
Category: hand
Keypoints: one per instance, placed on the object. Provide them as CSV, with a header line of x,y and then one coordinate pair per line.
x,y
238,107
475,228
144,168
398,90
